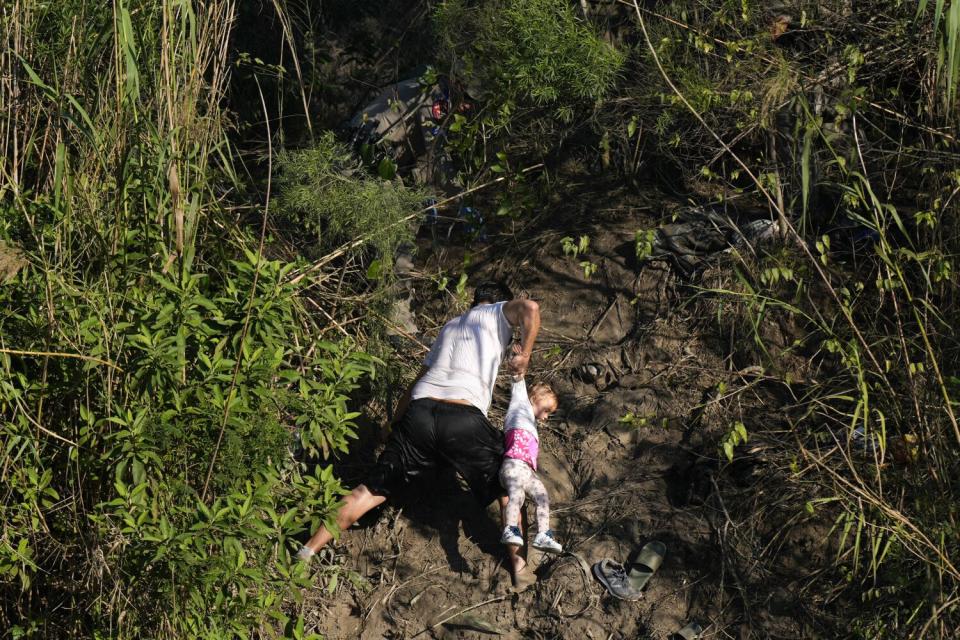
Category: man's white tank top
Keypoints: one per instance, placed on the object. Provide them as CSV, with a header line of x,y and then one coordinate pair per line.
x,y
464,359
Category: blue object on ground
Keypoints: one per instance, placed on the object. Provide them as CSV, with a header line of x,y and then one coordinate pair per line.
x,y
474,222
432,213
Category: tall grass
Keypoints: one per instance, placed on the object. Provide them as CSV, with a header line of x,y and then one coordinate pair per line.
x,y
946,25
155,366
862,139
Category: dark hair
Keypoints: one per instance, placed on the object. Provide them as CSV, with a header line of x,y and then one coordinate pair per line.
x,y
490,291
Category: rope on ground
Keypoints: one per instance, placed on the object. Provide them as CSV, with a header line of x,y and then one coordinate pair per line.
x,y
562,589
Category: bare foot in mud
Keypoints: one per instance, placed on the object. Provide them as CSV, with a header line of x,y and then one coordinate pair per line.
x,y
519,575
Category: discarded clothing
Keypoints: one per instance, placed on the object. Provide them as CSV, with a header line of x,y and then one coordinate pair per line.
x,y
850,238
403,112
700,233
406,123
469,223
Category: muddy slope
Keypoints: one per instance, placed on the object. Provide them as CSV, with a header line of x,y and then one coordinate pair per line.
x,y
631,456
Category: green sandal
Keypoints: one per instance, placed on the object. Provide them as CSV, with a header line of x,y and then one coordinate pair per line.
x,y
646,564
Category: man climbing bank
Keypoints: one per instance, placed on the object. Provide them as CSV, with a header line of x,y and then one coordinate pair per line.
x,y
442,418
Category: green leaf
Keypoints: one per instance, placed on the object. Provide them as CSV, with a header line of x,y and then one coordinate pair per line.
x,y
805,166
741,430
476,623
387,169
139,473
728,450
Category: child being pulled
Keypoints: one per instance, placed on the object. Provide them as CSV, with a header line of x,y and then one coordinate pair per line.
x,y
518,473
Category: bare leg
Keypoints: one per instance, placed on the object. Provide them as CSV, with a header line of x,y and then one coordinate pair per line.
x,y
355,505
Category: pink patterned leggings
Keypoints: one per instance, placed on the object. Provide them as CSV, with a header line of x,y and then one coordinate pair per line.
x,y
519,480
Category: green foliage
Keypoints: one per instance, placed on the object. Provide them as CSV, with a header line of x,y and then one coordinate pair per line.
x,y
736,436
819,112
947,16
530,52
576,249
633,420
535,74
157,369
643,241
322,191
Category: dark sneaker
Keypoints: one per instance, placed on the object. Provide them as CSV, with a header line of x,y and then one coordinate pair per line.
x,y
545,542
613,576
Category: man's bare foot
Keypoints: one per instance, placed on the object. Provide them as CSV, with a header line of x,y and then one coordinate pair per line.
x,y
521,578
518,565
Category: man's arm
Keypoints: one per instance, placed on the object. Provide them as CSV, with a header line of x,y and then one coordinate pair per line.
x,y
526,315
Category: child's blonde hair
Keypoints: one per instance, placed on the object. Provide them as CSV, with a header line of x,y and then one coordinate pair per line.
x,y
541,389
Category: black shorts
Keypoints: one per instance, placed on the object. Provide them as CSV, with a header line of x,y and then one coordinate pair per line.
x,y
433,433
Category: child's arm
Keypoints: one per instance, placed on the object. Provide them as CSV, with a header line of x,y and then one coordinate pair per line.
x,y
520,411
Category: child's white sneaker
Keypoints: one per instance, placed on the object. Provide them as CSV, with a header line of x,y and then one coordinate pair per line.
x,y
511,535
545,542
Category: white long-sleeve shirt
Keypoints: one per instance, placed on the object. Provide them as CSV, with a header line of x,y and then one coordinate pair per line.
x,y
520,411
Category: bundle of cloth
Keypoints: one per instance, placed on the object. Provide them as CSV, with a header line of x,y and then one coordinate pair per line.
x,y
699,233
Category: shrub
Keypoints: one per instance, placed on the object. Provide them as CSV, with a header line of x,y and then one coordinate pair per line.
x,y
823,116
323,192
533,52
155,367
